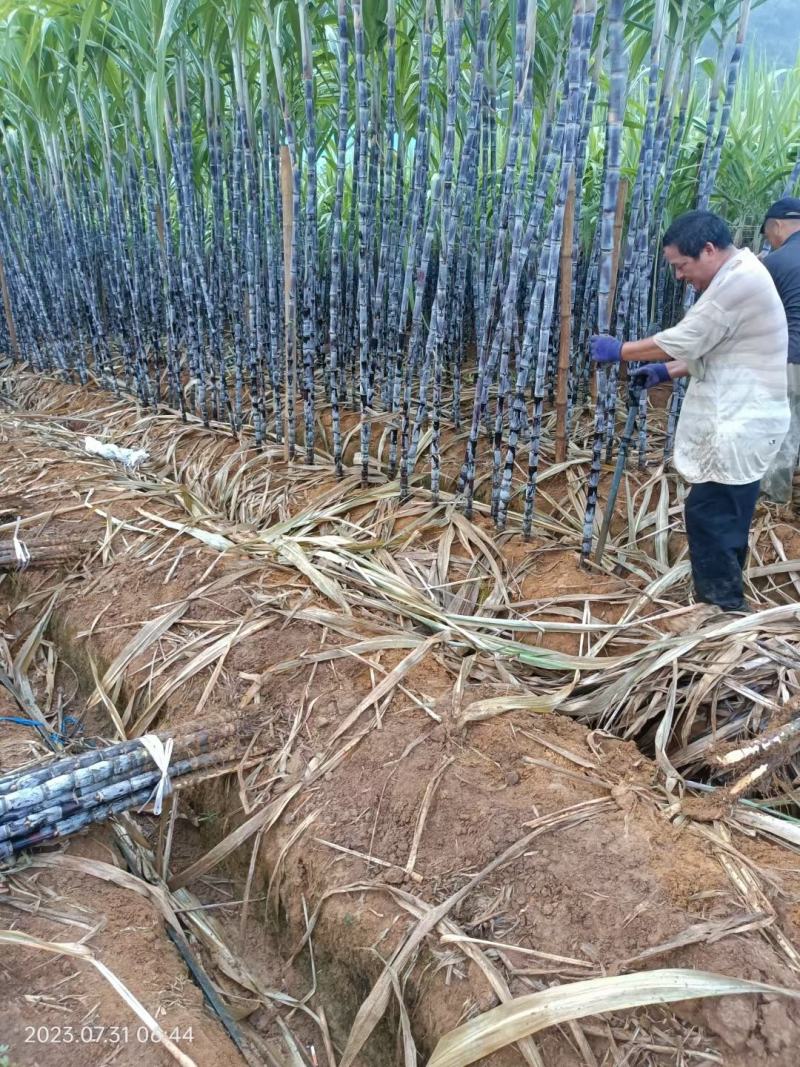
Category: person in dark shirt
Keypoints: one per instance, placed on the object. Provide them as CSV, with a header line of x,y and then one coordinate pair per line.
x,y
782,230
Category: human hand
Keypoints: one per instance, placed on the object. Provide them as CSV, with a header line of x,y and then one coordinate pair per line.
x,y
605,349
652,374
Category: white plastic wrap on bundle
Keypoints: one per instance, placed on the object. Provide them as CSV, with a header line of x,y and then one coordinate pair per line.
x,y
20,548
130,458
160,753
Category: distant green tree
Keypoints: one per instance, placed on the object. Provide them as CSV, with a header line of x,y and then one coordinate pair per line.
x,y
775,31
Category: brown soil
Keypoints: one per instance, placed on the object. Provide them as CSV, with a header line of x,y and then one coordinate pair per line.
x,y
596,893
57,1009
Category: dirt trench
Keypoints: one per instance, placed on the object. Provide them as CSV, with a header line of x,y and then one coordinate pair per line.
x,y
428,803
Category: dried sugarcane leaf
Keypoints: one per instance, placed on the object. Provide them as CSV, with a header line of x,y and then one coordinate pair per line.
x,y
24,659
371,644
527,1015
409,1048
387,684
203,659
479,710
664,734
103,697
699,933
213,540
150,632
108,873
329,587
488,551
662,525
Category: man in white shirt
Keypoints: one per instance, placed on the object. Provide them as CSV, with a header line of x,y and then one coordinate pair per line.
x,y
733,346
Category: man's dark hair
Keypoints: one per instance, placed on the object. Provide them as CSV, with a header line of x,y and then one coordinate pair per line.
x,y
690,233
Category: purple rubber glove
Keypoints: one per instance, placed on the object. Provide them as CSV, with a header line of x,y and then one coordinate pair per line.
x,y
605,349
652,375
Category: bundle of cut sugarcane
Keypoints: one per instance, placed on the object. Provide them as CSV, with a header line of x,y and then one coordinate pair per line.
x,y
40,553
57,799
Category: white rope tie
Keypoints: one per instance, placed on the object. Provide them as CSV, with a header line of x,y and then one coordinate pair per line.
x,y
161,753
20,548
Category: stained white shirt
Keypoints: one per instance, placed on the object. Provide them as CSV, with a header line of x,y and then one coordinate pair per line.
x,y
734,341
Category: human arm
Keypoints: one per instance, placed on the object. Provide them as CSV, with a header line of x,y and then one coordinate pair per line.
x,y
607,349
701,329
685,343
644,351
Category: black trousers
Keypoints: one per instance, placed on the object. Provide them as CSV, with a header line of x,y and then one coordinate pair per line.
x,y
718,521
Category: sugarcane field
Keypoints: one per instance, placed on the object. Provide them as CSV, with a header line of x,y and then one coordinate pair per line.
x,y
399,533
